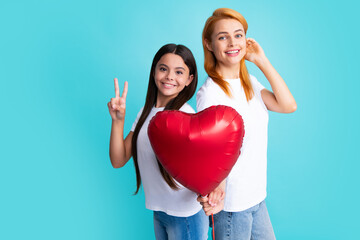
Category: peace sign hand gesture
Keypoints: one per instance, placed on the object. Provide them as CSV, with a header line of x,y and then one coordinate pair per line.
x,y
117,105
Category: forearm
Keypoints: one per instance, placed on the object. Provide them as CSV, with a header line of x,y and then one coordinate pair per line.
x,y
283,96
117,150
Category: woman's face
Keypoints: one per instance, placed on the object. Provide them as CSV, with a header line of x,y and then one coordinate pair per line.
x,y
171,76
228,42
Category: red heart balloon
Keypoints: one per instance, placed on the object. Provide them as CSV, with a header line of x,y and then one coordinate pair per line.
x,y
200,149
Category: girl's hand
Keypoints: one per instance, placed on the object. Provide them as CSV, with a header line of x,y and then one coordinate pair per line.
x,y
254,52
117,105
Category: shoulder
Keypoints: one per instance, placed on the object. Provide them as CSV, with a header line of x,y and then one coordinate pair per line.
x,y
257,86
209,87
140,112
136,120
187,108
253,79
209,83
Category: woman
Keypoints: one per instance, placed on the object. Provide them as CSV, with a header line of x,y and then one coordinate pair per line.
x,y
172,82
244,214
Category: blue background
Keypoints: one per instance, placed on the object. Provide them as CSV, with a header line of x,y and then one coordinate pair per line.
x,y
57,64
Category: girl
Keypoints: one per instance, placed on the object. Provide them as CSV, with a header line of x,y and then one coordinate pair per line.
x,y
244,214
172,82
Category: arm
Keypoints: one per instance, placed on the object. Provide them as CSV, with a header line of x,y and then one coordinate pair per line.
x,y
281,99
120,149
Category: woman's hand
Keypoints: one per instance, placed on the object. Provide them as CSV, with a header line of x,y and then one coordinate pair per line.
x,y
117,105
254,52
214,202
208,209
281,99
218,194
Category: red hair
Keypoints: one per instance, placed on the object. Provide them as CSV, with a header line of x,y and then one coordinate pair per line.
x,y
210,60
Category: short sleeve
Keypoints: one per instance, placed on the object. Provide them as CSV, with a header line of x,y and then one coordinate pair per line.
x,y
187,108
257,86
136,120
204,99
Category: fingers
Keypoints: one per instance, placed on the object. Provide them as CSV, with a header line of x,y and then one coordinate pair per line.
x,y
206,205
217,209
201,199
216,196
213,198
114,104
213,210
208,211
117,90
124,93
250,42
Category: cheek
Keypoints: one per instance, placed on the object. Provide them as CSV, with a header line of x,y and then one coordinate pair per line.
x,y
157,76
183,81
219,52
243,43
217,47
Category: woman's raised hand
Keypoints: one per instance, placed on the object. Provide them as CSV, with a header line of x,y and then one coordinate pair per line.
x,y
117,105
254,52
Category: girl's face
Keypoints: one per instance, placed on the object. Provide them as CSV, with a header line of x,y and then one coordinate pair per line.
x,y
171,76
228,42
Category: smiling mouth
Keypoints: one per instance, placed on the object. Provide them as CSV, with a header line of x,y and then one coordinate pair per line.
x,y
232,51
168,85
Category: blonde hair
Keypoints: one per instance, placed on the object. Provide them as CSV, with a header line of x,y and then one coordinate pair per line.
x,y
210,60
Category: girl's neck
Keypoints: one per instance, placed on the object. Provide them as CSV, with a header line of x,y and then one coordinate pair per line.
x,y
161,102
228,72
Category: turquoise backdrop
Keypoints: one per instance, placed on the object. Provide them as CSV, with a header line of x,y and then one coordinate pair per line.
x,y
57,64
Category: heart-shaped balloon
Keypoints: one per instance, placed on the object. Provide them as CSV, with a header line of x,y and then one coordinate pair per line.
x,y
198,150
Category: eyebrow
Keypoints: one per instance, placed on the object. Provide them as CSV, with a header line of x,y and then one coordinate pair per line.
x,y
239,30
162,64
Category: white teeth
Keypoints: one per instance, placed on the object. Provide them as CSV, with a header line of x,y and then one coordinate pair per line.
x,y
235,51
168,85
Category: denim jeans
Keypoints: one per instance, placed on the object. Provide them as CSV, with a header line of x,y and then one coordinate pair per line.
x,y
181,228
253,223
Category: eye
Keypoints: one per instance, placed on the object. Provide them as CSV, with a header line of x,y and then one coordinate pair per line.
x,y
162,69
238,35
179,72
222,37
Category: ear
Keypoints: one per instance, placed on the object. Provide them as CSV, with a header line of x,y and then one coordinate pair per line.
x,y
208,45
191,77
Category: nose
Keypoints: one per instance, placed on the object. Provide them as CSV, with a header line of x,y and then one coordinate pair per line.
x,y
171,75
231,41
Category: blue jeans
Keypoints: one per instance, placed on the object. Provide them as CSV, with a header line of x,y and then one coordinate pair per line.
x,y
181,228
253,223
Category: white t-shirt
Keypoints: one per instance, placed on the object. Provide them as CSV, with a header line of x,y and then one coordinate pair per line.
x,y
158,195
246,183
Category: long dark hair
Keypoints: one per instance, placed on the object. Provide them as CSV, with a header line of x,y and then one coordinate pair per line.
x,y
174,104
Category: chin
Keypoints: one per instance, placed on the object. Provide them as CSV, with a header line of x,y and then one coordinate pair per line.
x,y
234,62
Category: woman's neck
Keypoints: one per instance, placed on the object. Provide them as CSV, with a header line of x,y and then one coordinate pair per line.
x,y
228,72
